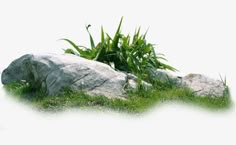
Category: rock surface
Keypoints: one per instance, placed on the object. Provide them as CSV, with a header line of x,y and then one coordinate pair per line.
x,y
165,76
201,85
53,73
204,86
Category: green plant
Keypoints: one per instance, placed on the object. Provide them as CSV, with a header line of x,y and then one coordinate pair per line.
x,y
122,52
226,91
138,101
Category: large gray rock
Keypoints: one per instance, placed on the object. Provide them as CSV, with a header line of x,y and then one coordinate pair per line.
x,y
204,86
53,73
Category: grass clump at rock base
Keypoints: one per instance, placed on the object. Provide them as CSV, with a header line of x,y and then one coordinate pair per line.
x,y
138,101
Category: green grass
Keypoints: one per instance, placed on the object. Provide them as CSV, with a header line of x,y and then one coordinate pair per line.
x,y
138,101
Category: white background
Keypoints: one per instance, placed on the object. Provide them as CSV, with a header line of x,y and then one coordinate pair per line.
x,y
196,36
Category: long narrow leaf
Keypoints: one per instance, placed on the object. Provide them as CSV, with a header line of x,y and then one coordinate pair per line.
x,y
99,53
91,38
73,44
70,51
69,41
115,40
102,35
145,34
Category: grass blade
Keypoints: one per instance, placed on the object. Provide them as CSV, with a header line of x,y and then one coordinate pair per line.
x,y
73,44
70,51
115,40
83,53
102,35
145,34
90,37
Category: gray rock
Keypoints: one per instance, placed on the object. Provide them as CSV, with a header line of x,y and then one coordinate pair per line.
x,y
132,82
165,76
53,73
198,83
204,86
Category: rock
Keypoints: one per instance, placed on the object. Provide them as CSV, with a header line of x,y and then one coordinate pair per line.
x,y
53,73
132,82
198,83
165,76
204,86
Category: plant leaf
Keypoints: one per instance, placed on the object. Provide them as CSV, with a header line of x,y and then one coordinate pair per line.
x,y
70,51
115,40
102,35
90,37
73,44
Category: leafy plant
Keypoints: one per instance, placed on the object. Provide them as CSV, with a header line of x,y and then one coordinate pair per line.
x,y
122,52
226,91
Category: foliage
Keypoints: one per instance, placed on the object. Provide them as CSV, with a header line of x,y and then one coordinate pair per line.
x,y
138,101
123,52
224,82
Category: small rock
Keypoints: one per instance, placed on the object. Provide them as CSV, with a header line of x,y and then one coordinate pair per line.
x,y
165,76
132,82
204,86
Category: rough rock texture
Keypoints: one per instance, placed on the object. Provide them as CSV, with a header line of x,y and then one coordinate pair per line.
x,y
53,73
198,83
204,86
165,76
132,82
